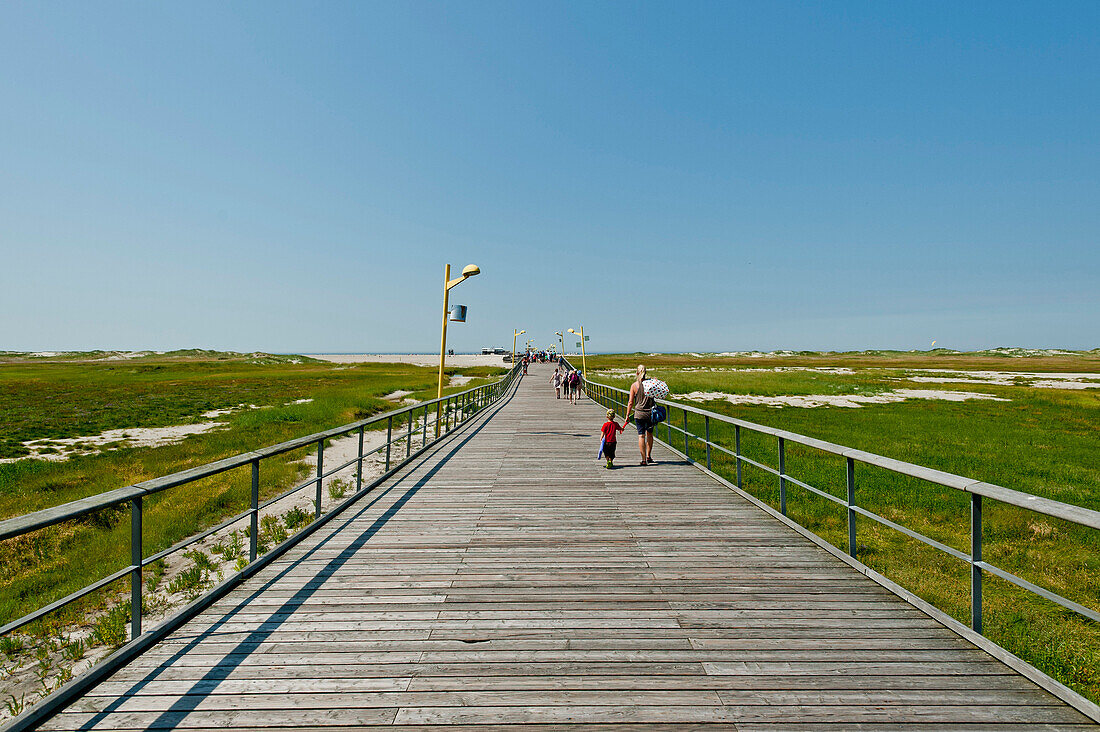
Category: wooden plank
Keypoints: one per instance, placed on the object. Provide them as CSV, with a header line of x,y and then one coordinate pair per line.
x,y
506,580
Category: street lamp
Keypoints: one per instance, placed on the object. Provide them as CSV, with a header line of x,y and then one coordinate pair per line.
x,y
561,337
584,362
515,334
467,272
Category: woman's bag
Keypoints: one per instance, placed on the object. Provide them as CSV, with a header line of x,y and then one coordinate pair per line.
x,y
657,414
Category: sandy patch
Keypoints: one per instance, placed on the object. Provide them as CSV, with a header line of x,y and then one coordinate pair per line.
x,y
1038,380
1028,352
835,370
215,413
126,355
852,401
461,360
393,396
62,448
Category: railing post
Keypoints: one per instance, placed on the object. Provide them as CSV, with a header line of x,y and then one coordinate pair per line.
x,y
424,434
737,451
254,534
975,557
320,472
408,435
851,502
359,464
389,441
686,453
782,477
706,428
135,574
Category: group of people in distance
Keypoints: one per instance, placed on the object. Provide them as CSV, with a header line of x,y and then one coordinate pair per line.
x,y
539,356
569,381
536,357
639,407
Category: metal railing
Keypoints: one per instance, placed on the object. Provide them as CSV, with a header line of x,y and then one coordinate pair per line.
x,y
454,408
610,396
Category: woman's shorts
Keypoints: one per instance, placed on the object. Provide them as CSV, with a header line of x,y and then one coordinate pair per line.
x,y
643,425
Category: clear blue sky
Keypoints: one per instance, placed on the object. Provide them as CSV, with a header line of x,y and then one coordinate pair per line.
x,y
673,176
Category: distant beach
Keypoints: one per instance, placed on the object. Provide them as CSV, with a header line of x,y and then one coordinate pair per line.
x,y
460,360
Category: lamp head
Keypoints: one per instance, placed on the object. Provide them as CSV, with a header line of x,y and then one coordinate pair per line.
x,y
572,331
470,270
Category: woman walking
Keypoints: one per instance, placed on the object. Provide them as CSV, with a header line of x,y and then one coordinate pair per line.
x,y
556,381
643,409
574,386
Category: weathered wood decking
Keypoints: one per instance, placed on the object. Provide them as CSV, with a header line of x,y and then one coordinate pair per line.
x,y
508,578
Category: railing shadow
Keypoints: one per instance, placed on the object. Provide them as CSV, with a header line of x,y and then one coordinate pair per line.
x,y
243,649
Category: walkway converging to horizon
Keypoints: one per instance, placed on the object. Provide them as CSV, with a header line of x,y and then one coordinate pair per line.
x,y
507,578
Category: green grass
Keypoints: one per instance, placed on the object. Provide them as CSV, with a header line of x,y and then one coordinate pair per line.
x,y
1043,442
938,358
68,399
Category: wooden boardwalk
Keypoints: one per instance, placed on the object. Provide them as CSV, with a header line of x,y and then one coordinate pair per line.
x,y
508,579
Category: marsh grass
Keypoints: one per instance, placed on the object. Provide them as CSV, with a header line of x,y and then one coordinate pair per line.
x,y
70,399
110,628
1043,442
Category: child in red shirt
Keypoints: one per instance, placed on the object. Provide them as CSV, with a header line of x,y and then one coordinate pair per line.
x,y
610,431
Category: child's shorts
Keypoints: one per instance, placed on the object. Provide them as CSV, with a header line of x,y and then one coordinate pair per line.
x,y
609,450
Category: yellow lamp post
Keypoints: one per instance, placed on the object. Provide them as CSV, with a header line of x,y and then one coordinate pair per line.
x,y
584,362
467,272
515,334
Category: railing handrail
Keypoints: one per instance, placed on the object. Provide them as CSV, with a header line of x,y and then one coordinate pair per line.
x,y
460,405
477,396
977,490
43,518
1046,506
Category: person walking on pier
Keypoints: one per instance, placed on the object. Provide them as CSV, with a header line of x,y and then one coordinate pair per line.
x,y
556,381
610,431
643,410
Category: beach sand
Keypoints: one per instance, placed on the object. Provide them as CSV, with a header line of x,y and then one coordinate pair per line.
x,y
461,360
